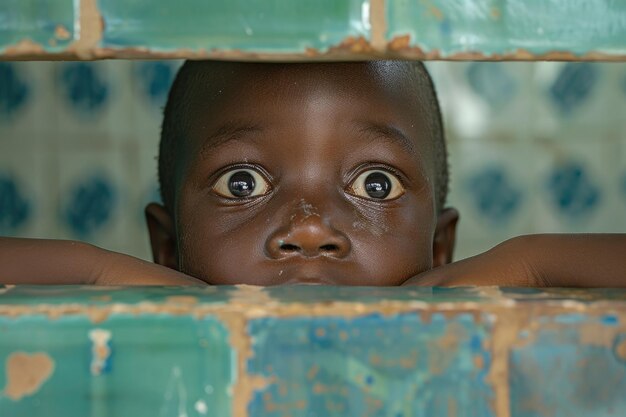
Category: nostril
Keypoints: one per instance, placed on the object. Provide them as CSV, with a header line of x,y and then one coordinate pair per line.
x,y
287,247
329,248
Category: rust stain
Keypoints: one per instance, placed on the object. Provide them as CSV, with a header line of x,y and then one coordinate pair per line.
x,y
436,12
351,48
26,373
245,384
352,45
61,33
378,24
596,334
620,350
89,31
479,361
24,47
312,372
495,13
505,332
433,10
399,43
400,46
452,407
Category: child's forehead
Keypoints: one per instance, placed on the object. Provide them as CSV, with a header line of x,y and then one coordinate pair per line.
x,y
261,87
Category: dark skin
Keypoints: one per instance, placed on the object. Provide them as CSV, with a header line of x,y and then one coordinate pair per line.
x,y
309,133
310,137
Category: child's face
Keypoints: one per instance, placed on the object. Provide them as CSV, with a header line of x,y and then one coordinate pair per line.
x,y
306,173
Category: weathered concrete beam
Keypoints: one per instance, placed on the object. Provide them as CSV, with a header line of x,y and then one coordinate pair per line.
x,y
312,351
314,29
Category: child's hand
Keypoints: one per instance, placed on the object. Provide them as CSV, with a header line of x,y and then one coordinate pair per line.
x,y
539,261
43,262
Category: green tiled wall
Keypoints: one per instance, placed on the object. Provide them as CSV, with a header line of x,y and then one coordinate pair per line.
x,y
308,29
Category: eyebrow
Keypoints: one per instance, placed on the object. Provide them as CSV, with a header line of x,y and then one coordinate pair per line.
x,y
228,132
388,133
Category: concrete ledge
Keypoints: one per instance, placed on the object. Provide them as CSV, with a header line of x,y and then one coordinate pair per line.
x,y
312,351
314,29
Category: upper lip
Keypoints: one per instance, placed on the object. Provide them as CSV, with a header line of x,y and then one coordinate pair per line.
x,y
309,281
308,272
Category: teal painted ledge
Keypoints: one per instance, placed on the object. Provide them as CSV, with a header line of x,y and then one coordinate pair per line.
x,y
311,351
314,29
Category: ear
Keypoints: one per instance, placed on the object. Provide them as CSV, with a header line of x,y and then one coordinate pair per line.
x,y
162,235
445,237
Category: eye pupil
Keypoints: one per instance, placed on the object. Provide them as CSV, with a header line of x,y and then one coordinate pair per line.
x,y
241,184
377,185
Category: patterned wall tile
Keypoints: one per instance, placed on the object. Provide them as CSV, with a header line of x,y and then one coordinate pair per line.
x,y
492,191
93,197
149,85
572,96
26,94
482,99
93,100
534,147
575,186
26,193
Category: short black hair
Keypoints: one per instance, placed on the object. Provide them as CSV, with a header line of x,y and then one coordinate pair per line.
x,y
175,121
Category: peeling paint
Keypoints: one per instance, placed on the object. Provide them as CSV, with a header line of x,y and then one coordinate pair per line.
x,y
378,24
353,30
61,32
100,351
245,384
26,373
620,349
505,342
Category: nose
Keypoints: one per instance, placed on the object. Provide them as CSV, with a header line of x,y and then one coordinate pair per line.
x,y
308,236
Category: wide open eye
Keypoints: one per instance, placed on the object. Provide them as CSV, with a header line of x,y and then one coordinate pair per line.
x,y
377,185
241,183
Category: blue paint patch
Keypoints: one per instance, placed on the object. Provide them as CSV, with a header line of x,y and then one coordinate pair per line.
x,y
91,204
15,209
492,82
476,343
373,365
573,191
445,27
574,85
84,88
567,318
610,320
493,194
155,79
556,374
14,91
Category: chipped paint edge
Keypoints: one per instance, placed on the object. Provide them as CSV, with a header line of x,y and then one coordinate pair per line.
x,y
89,32
508,317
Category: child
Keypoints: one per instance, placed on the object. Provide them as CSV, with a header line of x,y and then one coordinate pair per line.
x,y
329,173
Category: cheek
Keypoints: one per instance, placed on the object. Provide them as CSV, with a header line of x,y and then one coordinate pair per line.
x,y
393,245
221,249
